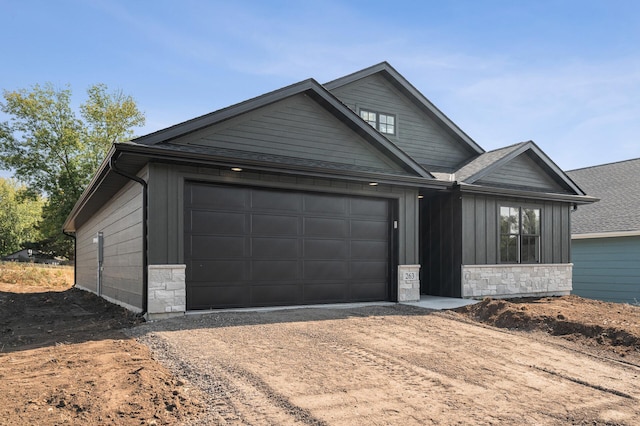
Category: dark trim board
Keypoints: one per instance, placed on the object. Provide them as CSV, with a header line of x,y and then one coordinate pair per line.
x,y
247,247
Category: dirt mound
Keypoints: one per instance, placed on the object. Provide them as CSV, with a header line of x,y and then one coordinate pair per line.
x,y
65,360
613,326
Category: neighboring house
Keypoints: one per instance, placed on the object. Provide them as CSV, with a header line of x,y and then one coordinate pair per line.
x,y
606,235
356,190
31,255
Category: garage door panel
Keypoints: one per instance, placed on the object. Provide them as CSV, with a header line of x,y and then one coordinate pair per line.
x,y
218,223
206,246
319,270
202,297
369,291
275,270
368,270
326,228
369,250
275,201
325,204
325,293
274,225
365,207
219,271
274,247
326,249
216,198
279,294
261,247
369,229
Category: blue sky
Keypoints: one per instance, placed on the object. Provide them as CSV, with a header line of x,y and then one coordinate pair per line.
x,y
563,73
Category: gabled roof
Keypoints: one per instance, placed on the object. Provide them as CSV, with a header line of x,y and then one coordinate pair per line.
x,y
311,88
491,161
385,69
618,187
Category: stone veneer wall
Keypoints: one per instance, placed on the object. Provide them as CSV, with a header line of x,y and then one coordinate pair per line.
x,y
516,280
167,291
408,283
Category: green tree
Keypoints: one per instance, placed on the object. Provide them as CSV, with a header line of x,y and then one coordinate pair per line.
x,y
19,216
56,151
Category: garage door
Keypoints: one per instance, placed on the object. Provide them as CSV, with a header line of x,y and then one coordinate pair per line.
x,y
256,247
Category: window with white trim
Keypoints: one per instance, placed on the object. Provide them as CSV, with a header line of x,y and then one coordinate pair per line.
x,y
384,123
519,234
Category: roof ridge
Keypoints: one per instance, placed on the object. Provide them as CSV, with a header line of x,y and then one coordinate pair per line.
x,y
604,164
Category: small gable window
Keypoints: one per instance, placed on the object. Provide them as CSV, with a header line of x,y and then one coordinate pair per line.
x,y
384,123
519,234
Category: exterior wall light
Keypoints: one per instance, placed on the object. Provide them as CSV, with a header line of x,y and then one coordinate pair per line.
x,y
236,169
373,183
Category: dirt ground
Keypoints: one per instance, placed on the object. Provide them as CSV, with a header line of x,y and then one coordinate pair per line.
x,y
64,359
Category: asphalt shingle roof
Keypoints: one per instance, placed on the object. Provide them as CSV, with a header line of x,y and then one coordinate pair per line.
x,y
617,185
484,160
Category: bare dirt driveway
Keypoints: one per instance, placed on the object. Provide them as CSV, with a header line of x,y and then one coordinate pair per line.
x,y
392,364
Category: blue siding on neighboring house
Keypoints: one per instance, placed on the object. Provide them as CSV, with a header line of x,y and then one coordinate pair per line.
x,y
607,268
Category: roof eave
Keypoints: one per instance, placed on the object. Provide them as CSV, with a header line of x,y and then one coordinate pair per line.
x,y
550,196
206,159
93,185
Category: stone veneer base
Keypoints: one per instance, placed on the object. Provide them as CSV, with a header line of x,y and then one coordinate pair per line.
x,y
408,283
167,293
521,280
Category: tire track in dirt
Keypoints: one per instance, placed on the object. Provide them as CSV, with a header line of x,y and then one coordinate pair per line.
x,y
449,378
380,366
237,396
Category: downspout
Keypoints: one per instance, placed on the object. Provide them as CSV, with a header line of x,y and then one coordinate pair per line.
x,y
75,253
145,256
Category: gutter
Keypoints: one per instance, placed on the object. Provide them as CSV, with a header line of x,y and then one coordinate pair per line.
x,y
145,231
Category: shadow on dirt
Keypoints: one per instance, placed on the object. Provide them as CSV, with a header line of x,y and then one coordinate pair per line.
x,y
35,320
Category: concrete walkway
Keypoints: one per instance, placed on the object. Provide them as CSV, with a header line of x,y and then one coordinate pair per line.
x,y
429,302
440,303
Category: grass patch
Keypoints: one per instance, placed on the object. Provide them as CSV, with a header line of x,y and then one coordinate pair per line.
x,y
31,274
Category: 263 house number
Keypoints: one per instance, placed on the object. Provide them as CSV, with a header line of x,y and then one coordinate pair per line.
x,y
410,276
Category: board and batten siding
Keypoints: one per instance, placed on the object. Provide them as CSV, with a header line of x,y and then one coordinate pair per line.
x,y
120,221
166,202
522,172
607,269
440,242
296,127
480,232
416,134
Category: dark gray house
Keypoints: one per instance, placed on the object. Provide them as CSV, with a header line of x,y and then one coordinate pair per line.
x,y
356,190
606,235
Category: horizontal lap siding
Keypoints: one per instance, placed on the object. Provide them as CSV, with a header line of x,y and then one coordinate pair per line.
x,y
120,221
480,232
418,135
607,269
522,171
295,127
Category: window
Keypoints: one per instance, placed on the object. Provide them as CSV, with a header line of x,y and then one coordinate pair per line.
x,y
519,235
385,123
